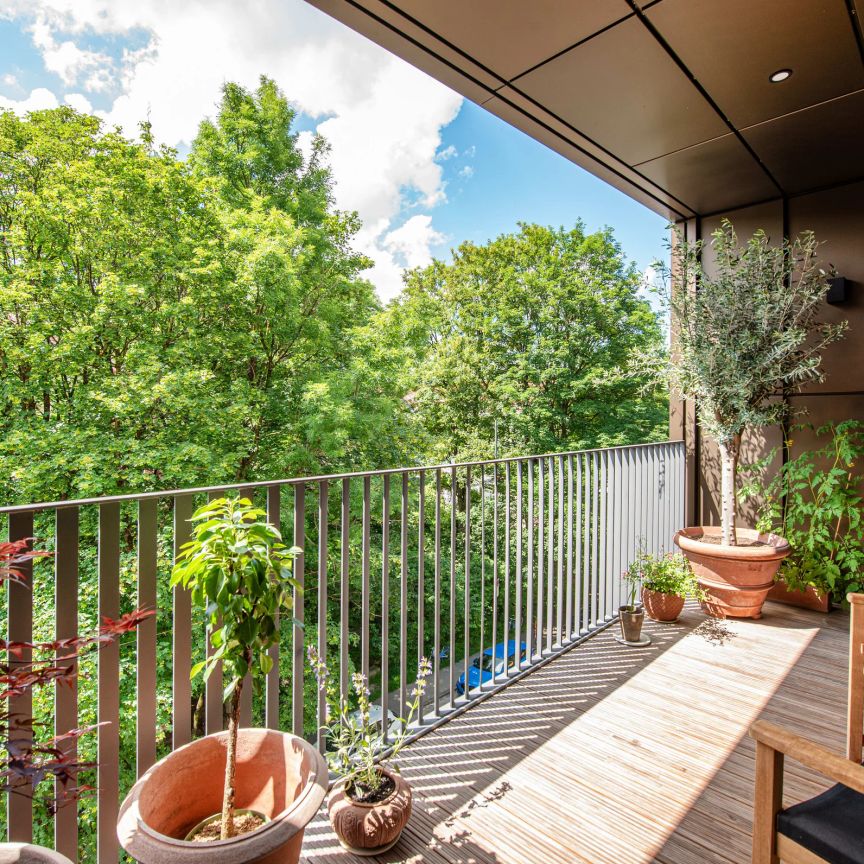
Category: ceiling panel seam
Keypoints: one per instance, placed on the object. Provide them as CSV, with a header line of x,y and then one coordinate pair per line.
x,y
702,91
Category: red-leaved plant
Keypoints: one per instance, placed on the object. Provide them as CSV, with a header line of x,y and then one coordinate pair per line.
x,y
25,761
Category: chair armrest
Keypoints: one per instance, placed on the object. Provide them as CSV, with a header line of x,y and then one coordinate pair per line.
x,y
812,755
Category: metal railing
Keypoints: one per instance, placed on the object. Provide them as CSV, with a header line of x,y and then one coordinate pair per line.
x,y
443,561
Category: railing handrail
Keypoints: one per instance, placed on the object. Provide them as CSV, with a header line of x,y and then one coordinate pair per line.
x,y
316,478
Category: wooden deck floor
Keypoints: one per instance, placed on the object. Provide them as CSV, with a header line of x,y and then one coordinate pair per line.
x,y
612,755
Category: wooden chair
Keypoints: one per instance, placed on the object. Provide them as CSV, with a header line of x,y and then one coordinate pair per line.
x,y
829,827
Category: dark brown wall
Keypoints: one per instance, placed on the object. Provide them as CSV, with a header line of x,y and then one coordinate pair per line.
x,y
837,218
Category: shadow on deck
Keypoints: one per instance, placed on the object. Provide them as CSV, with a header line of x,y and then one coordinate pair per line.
x,y
613,755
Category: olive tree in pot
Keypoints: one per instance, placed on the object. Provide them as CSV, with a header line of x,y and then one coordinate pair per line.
x,y
243,794
745,334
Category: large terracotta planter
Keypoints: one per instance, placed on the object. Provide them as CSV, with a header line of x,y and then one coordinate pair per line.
x,y
809,599
279,775
664,608
370,829
27,853
736,579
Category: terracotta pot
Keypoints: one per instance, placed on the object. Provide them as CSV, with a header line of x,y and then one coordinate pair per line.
x,y
737,579
808,599
279,775
27,853
631,623
370,829
662,607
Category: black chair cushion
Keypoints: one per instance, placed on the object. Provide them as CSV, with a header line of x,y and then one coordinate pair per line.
x,y
831,825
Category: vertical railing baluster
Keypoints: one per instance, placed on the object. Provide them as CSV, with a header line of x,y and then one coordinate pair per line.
x,y
344,593
518,622
617,531
436,659
570,593
182,633
541,558
385,608
483,570
466,616
19,805
495,578
214,703
271,696
506,608
587,551
421,575
146,637
323,517
579,588
248,691
529,578
366,576
603,536
66,694
550,562
298,665
108,665
452,634
403,599
595,538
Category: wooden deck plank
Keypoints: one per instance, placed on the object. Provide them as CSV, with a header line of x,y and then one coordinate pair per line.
x,y
610,755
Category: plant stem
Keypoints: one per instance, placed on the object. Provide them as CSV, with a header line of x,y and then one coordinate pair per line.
x,y
227,827
728,505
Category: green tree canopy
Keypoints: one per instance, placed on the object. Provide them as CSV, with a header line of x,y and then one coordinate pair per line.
x,y
531,330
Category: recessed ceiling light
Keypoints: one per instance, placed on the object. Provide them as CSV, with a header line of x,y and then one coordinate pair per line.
x,y
779,75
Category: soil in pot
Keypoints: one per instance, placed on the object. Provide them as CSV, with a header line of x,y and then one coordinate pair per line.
x,y
211,829
366,827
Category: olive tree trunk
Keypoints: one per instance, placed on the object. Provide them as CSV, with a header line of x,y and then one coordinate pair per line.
x,y
729,451
227,824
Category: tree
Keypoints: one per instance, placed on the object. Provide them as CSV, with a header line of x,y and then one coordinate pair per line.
x,y
748,335
529,330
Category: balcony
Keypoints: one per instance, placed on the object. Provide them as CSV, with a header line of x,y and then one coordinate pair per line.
x,y
609,754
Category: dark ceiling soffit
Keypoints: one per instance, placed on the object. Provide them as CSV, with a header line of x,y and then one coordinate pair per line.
x,y
702,91
683,213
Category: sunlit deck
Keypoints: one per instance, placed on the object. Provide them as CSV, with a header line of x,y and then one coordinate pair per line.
x,y
615,755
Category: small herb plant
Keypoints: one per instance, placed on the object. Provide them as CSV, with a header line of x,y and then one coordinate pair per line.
x,y
667,574
815,502
355,740
239,570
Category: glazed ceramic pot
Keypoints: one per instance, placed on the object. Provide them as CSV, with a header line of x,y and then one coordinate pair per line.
x,y
27,853
370,829
736,579
631,623
662,607
279,775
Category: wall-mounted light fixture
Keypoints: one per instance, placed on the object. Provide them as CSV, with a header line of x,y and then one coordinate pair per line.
x,y
779,75
836,290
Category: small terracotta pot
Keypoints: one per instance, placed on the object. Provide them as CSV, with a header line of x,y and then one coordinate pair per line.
x,y
279,775
736,579
631,623
662,607
370,829
808,599
27,853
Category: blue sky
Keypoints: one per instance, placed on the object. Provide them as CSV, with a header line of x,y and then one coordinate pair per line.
x,y
424,168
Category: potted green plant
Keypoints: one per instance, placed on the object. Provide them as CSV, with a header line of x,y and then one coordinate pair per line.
x,y
246,793
370,803
746,332
815,501
25,761
665,582
631,616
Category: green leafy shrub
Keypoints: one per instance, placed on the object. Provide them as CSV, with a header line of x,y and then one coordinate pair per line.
x,y
668,574
815,502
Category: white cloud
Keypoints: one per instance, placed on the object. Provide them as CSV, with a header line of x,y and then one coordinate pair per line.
x,y
447,153
9,80
79,102
39,99
382,117
466,172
